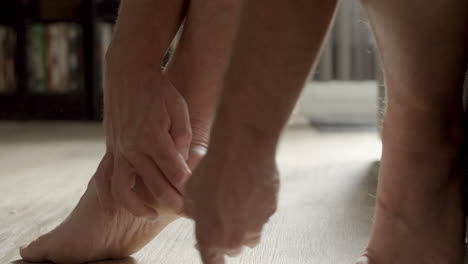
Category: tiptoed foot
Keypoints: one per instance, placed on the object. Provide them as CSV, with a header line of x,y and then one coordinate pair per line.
x,y
89,234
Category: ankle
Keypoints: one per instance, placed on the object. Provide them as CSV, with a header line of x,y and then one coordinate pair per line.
x,y
428,130
409,198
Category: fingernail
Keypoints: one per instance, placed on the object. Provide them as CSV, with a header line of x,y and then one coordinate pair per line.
x,y
153,214
363,260
200,150
234,252
187,170
183,156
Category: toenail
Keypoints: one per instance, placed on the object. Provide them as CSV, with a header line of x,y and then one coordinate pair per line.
x,y
363,260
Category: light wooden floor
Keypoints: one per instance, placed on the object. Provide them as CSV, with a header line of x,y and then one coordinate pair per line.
x,y
326,200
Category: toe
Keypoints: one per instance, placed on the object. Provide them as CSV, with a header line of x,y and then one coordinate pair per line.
x,y
35,251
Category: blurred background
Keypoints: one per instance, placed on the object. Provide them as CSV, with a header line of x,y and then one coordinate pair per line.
x,y
51,138
51,54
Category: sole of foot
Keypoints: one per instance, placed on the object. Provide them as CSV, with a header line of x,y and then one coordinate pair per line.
x,y
89,234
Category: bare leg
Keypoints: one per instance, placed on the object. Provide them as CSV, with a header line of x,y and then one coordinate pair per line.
x,y
196,71
198,65
419,211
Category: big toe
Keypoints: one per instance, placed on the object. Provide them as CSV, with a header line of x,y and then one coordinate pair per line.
x,y
36,250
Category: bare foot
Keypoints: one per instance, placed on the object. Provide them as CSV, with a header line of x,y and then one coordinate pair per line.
x,y
419,219
88,234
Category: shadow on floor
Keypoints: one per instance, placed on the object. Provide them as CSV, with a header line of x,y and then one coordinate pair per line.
x,y
128,260
343,126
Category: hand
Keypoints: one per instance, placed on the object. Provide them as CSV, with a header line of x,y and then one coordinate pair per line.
x,y
148,134
230,201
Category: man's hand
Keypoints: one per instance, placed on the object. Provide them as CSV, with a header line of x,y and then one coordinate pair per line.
x,y
148,133
230,197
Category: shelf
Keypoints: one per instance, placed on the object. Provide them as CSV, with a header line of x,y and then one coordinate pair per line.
x,y
7,13
53,21
106,11
12,107
83,104
52,11
58,107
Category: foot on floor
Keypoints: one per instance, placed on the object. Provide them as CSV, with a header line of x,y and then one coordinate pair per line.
x,y
419,214
88,234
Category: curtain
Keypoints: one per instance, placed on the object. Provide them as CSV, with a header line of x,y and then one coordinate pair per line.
x,y
349,51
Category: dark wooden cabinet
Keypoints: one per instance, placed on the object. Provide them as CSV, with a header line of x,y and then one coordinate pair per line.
x,y
82,104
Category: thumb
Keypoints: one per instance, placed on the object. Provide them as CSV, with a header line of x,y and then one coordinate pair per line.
x,y
181,129
102,180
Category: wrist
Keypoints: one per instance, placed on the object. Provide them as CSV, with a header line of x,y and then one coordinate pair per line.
x,y
233,138
132,56
146,28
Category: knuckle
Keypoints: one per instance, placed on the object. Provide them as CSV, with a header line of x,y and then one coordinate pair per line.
x,y
141,211
234,242
130,152
178,175
165,157
179,101
135,212
153,131
171,199
129,148
183,135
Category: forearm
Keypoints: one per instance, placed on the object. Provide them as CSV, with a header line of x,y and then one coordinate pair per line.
x,y
144,30
198,65
273,54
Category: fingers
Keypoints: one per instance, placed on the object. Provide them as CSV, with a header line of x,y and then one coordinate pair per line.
x,y
181,129
102,180
145,194
122,189
171,163
211,255
214,245
196,154
159,186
